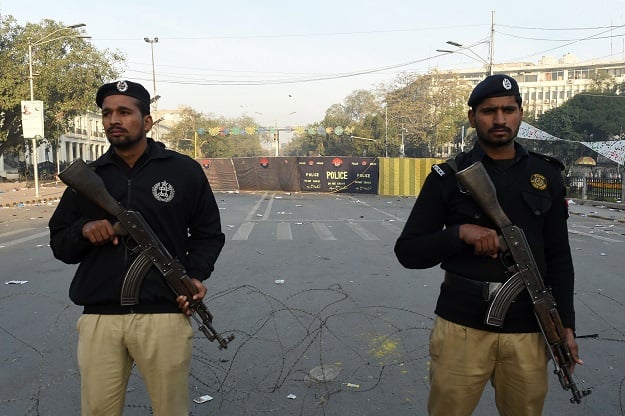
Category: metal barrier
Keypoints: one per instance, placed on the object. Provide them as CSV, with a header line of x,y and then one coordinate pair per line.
x,y
598,189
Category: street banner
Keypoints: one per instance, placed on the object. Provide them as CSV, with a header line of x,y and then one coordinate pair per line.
x,y
32,119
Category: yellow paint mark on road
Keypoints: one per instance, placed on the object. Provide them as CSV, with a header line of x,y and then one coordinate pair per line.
x,y
383,346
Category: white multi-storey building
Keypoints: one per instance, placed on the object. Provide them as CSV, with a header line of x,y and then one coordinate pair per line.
x,y
84,139
550,82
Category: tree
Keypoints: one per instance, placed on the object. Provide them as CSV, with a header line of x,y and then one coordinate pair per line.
x,y
429,108
350,116
593,116
67,73
359,105
307,143
213,137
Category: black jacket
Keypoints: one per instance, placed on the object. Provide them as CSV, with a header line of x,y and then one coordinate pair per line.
x,y
172,193
431,235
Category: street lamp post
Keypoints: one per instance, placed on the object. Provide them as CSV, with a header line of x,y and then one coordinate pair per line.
x,y
386,130
152,42
491,48
474,56
402,150
41,41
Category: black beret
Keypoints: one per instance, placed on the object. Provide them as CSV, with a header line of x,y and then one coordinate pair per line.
x,y
129,88
494,86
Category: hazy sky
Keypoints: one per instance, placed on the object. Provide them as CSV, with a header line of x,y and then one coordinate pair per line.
x,y
286,62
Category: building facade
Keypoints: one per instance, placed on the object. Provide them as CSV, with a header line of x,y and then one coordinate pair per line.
x,y
552,81
84,139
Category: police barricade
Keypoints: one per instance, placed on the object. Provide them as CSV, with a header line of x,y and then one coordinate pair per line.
x,y
384,176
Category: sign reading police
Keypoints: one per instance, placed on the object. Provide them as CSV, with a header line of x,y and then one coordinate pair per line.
x,y
339,174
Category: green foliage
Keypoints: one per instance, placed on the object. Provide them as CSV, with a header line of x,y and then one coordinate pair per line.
x,y
192,136
67,71
429,109
307,144
588,117
356,114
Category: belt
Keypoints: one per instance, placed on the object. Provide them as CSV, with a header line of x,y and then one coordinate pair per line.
x,y
477,287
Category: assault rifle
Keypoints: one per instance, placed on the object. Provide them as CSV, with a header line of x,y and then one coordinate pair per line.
x,y
525,274
151,250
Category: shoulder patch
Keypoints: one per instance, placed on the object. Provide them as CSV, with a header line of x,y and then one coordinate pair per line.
x,y
450,166
443,169
438,169
548,159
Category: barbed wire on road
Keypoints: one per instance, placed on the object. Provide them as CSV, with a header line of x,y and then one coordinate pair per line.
x,y
313,329
321,345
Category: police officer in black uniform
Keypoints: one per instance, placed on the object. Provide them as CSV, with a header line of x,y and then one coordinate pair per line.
x,y
172,193
446,227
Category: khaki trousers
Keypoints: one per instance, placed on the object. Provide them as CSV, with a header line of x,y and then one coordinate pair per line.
x,y
463,359
159,344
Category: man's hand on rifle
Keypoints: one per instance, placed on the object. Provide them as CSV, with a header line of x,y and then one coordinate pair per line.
x,y
484,240
99,232
573,347
183,302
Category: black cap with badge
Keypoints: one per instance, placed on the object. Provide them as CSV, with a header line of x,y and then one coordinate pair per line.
x,y
129,88
494,86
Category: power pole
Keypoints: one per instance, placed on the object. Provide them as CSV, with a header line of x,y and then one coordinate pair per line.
x,y
492,43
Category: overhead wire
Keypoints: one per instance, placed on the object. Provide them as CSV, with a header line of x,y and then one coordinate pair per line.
x,y
572,42
306,78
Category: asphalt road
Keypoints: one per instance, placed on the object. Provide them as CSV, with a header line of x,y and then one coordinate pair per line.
x,y
304,281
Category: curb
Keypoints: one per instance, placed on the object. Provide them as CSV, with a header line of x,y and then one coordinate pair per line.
x,y
23,195
603,204
599,204
601,217
40,201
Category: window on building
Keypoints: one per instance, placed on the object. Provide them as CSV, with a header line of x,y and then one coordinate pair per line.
x,y
583,73
554,76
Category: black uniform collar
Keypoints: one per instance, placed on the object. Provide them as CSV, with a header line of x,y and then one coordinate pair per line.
x,y
154,150
477,154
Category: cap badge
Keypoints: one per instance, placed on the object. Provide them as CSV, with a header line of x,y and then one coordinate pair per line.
x,y
538,181
507,84
122,86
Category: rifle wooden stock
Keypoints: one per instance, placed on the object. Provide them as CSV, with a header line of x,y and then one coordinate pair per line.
x,y
481,188
151,251
81,178
525,274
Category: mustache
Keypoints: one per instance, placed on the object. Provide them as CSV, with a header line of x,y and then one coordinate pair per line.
x,y
116,129
499,128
